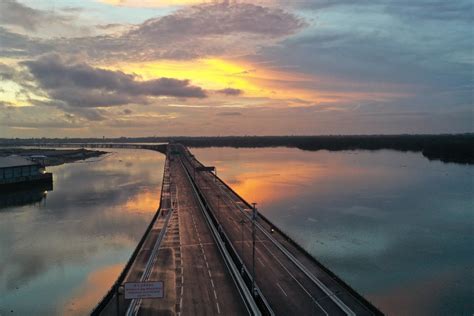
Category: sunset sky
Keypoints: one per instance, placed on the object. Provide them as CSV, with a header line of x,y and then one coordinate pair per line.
x,y
85,68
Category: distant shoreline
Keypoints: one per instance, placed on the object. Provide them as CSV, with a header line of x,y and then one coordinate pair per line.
x,y
448,148
445,148
53,157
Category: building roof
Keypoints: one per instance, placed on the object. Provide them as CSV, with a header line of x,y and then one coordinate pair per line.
x,y
15,161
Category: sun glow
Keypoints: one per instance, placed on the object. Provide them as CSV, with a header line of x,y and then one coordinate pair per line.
x,y
255,80
260,83
15,95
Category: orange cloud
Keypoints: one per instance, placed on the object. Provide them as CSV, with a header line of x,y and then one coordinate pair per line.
x,y
255,80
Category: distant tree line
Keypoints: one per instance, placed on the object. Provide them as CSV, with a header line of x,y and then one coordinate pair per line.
x,y
458,148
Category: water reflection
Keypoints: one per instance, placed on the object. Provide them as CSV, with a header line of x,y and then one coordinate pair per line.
x,y
391,224
25,196
96,284
93,219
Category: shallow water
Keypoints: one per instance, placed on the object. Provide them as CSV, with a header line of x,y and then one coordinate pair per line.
x,y
60,255
395,226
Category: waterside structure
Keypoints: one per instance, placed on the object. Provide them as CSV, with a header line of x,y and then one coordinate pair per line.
x,y
19,172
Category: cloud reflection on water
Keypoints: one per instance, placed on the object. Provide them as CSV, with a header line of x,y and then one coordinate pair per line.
x,y
96,285
95,216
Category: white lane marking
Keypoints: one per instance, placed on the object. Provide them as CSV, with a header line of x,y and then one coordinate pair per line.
x,y
294,278
207,264
281,288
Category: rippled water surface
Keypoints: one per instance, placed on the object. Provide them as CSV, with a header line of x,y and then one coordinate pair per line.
x,y
395,226
59,255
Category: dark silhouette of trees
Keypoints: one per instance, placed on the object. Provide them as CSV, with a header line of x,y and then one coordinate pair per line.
x,y
456,148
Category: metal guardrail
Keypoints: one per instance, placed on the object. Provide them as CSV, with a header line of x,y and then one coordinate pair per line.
x,y
249,300
135,304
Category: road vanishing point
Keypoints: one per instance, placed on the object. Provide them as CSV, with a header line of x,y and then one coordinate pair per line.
x,y
214,254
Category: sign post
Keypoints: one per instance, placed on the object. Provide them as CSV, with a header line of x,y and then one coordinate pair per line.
x,y
139,290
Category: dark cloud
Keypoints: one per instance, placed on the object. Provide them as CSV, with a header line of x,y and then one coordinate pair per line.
x,y
221,19
108,26
231,91
14,13
40,124
229,114
42,115
460,10
192,32
17,45
406,9
85,113
77,84
323,4
399,47
72,9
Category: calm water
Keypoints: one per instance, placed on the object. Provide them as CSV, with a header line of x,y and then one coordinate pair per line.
x,y
61,254
395,226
